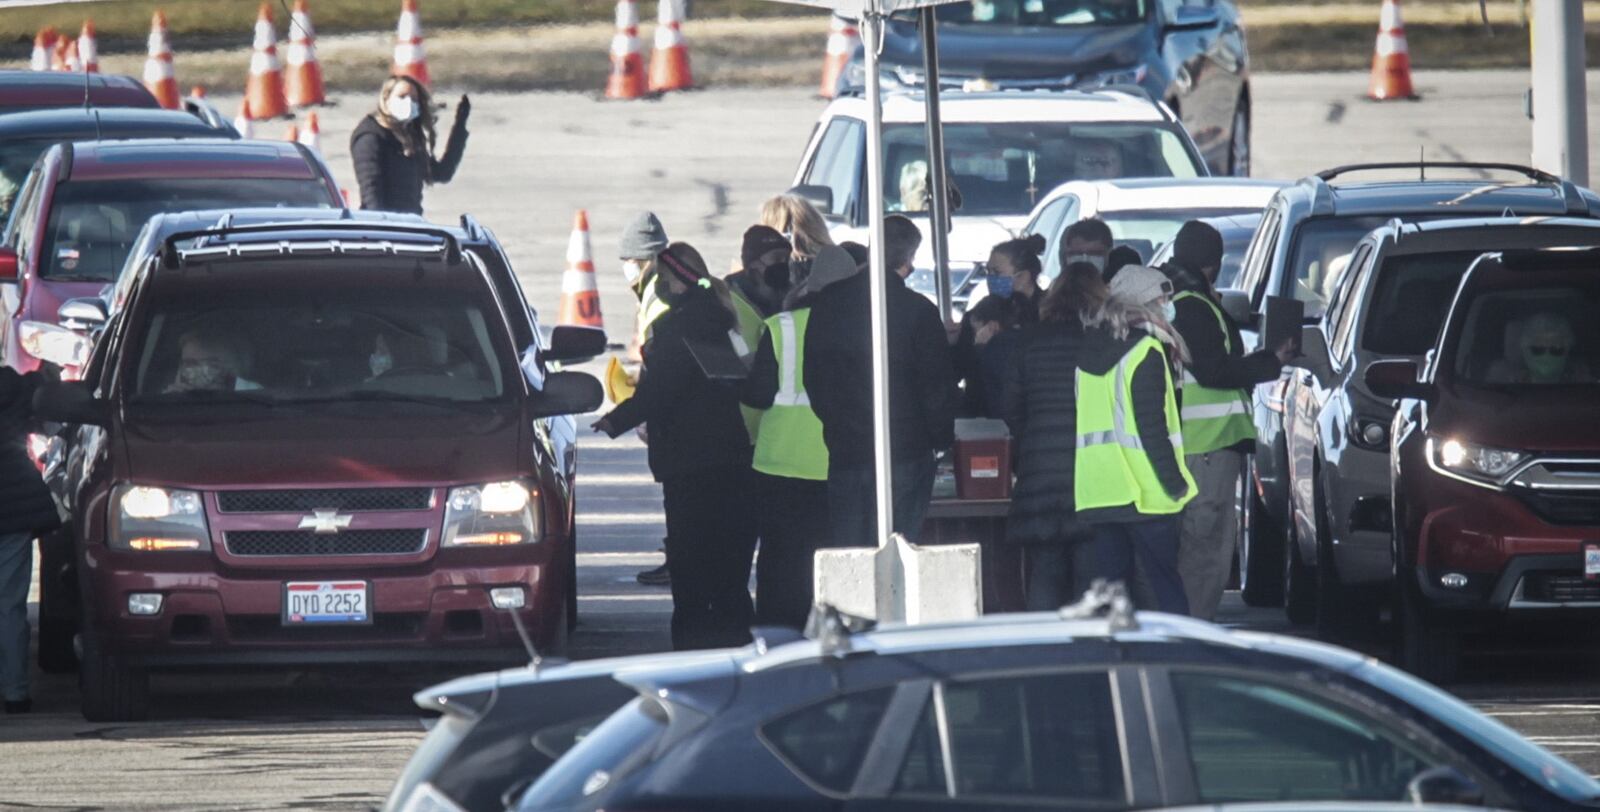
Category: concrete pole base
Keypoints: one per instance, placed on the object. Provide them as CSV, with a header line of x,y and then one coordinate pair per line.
x,y
901,582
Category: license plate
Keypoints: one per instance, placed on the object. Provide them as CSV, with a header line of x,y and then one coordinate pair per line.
x,y
1591,562
315,602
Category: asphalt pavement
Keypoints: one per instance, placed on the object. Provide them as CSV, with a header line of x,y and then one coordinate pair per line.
x,y
704,161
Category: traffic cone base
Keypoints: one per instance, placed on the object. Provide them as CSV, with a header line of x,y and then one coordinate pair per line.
x,y
311,134
44,49
580,298
1391,58
669,62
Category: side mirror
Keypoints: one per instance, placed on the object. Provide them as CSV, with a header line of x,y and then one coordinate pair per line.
x,y
570,344
568,393
1395,379
82,314
1314,354
70,402
1193,18
54,344
8,264
1236,303
1444,785
819,196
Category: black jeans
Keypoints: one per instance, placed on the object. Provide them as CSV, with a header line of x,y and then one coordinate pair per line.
x,y
853,503
1149,544
793,519
1057,574
710,540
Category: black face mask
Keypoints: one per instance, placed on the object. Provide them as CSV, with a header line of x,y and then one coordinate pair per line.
x,y
776,276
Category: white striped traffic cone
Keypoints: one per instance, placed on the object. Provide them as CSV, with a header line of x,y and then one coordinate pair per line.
x,y
627,57
580,297
409,57
44,48
669,62
303,77
158,77
842,41
1391,58
311,134
88,48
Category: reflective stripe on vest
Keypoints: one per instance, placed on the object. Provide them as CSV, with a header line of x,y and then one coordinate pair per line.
x,y
1214,418
1111,468
789,443
745,336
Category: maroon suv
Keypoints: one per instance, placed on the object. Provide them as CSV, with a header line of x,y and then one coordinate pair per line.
x,y
315,443
1496,458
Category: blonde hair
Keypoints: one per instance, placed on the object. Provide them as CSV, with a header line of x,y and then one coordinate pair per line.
x,y
795,217
411,137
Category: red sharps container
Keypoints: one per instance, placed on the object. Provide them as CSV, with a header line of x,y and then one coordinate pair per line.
x,y
983,459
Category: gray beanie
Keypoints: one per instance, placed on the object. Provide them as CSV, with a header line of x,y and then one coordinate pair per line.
x,y
644,237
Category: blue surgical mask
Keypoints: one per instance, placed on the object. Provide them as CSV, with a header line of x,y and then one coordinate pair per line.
x,y
1002,286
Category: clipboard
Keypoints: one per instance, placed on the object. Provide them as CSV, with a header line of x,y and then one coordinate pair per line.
x,y
717,359
1285,318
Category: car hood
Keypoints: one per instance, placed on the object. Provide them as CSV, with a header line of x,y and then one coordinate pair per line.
x,y
366,449
1533,419
1005,52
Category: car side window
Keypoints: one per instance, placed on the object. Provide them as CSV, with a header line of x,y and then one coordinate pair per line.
x,y
1051,736
1253,740
826,743
1347,302
837,164
1258,257
1052,221
24,220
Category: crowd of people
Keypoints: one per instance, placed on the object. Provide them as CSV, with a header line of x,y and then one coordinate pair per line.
x,y
1123,386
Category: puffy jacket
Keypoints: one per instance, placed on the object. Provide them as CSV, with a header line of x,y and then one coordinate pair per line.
x,y
1041,411
389,179
25,502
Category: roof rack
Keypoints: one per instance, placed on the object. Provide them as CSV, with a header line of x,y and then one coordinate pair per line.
x,y
1536,175
171,257
1104,599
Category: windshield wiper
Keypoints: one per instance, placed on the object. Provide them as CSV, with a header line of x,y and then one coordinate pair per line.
x,y
384,396
68,277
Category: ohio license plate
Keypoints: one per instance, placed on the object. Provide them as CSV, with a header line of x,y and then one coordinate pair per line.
x,y
312,602
1591,561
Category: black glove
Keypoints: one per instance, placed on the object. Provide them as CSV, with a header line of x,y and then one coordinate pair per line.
x,y
463,110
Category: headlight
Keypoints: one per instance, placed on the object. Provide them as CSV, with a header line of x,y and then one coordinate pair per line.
x,y
428,798
1480,465
153,519
1130,76
494,514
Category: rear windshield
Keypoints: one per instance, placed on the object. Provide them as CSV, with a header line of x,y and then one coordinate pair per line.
x,y
1148,231
1007,168
93,223
619,745
1043,12
1538,335
281,345
1409,301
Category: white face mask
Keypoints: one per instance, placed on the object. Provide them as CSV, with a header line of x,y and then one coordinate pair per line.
x,y
632,270
402,108
1169,311
1097,260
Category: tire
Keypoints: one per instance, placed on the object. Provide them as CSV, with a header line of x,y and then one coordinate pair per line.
x,y
56,654
1341,613
1239,147
1261,546
58,623
572,588
1299,580
109,688
1425,647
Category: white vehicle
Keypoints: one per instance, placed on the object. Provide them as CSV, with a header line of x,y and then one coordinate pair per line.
x,y
1005,151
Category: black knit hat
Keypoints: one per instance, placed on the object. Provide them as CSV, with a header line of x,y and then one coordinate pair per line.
x,y
760,241
1198,246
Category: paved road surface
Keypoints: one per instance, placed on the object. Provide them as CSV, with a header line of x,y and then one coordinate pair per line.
x,y
335,740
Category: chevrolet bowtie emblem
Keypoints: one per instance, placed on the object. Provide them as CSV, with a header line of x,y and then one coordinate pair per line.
x,y
325,521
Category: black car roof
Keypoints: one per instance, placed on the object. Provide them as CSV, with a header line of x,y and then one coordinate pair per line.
x,y
77,123
467,232
1496,233
1445,192
29,78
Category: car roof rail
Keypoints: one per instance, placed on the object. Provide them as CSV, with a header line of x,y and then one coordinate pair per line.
x,y
1104,599
832,628
473,228
1422,167
171,257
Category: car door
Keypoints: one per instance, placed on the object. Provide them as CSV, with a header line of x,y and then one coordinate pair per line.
x,y
838,164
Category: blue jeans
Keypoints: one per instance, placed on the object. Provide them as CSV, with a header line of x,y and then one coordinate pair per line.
x,y
853,503
1151,545
16,573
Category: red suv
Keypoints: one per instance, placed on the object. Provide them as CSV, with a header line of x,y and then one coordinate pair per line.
x,y
1496,457
312,442
81,208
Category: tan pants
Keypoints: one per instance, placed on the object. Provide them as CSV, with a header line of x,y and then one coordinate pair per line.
x,y
1210,530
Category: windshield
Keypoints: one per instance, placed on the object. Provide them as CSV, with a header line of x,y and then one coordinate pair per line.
x,y
1005,169
93,223
1321,251
274,344
1236,235
1535,335
1043,12
16,160
601,758
1410,299
1148,231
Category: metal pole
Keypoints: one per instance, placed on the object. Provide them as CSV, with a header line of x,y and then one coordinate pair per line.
x,y
939,211
871,37
1560,93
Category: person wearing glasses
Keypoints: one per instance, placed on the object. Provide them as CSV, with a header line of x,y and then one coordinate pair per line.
x,y
1097,159
1543,354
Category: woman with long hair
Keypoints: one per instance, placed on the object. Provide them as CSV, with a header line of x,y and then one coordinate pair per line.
x,y
393,147
794,217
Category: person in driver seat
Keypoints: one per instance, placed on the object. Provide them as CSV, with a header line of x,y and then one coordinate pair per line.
x,y
210,360
1542,353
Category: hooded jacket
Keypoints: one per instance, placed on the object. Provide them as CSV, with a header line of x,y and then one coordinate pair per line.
x,y
1216,359
695,423
389,179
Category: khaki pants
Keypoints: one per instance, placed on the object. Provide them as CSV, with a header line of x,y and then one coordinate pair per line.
x,y
1210,530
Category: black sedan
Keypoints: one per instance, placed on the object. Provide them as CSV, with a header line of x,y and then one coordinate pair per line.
x,y
1191,55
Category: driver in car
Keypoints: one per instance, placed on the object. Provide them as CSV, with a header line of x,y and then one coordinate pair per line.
x,y
210,361
1543,354
1097,159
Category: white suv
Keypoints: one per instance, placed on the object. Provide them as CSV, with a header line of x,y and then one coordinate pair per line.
x,y
1006,150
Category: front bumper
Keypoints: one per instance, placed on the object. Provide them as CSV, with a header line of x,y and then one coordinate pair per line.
x,y
1358,499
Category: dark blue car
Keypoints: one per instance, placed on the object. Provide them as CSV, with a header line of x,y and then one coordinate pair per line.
x,y
1188,53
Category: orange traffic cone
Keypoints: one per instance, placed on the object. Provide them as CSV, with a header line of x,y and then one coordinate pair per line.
x,y
580,299
89,48
74,62
58,57
292,135
243,123
1391,59
842,41
44,48
669,62
197,92
311,135
409,58
627,58
158,76
264,90
303,80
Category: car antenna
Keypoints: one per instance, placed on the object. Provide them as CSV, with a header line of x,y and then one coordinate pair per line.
x,y
534,660
1422,163
98,135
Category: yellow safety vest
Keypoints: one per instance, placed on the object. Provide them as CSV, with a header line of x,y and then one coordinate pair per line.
x,y
1214,418
745,339
789,443
1111,468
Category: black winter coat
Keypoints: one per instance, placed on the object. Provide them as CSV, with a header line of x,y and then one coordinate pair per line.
x,y
1216,359
838,372
1041,411
695,422
389,179
25,502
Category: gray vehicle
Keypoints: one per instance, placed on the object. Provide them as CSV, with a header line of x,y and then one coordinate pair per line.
x,y
1387,305
1302,244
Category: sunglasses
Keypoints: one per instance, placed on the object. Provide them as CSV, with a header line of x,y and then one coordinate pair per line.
x,y
1558,352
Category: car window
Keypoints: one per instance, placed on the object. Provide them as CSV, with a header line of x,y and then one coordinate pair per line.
x,y
25,219
1043,12
1321,251
1410,298
826,743
1346,300
607,754
93,223
837,164
16,161
1145,231
1258,257
1534,335
1251,740
1006,168
1051,223
1050,736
